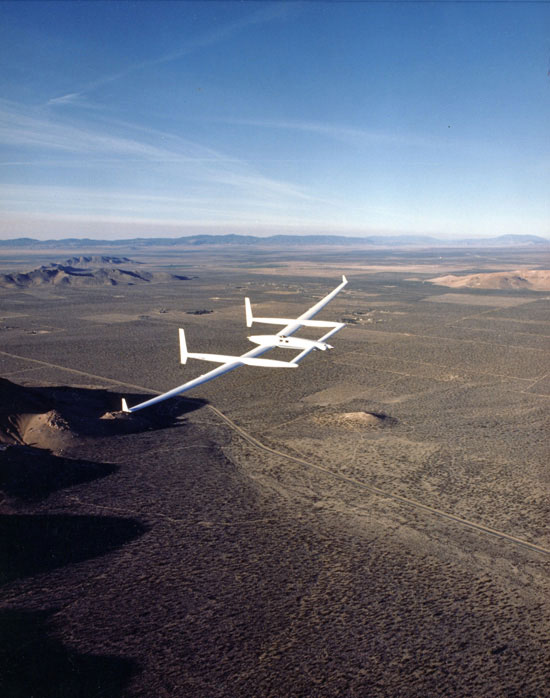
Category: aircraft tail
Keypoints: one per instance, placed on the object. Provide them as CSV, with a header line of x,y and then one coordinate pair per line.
x,y
266,320
225,359
183,347
248,311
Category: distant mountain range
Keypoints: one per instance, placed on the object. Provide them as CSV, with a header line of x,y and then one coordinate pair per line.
x,y
277,241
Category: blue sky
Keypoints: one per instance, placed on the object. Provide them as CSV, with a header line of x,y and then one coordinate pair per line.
x,y
138,119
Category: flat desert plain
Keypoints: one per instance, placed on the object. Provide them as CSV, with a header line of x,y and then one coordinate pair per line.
x,y
373,523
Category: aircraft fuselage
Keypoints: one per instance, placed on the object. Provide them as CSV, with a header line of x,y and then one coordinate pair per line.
x,y
275,340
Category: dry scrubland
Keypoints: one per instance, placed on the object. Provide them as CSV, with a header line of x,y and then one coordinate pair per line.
x,y
379,529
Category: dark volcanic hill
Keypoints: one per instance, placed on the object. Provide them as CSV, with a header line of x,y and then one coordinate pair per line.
x,y
97,260
80,271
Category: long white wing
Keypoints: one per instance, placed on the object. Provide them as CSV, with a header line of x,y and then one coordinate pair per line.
x,y
236,362
219,371
295,325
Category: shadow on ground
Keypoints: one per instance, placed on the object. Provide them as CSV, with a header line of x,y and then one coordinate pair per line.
x,y
33,663
42,417
96,412
32,544
31,474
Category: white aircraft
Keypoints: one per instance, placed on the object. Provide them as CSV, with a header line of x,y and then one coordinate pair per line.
x,y
265,342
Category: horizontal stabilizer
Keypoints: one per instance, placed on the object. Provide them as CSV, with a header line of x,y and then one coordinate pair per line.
x,y
288,321
271,321
322,323
267,362
225,359
248,361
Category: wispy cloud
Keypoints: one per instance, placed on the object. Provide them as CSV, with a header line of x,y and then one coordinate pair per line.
x,y
198,181
20,127
346,134
65,200
266,14
70,98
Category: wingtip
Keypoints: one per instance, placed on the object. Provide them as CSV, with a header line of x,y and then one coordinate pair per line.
x,y
344,280
125,407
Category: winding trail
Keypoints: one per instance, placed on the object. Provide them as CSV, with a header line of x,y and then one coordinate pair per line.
x,y
382,493
411,503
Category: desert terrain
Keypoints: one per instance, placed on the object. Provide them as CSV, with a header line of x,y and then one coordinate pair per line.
x,y
373,524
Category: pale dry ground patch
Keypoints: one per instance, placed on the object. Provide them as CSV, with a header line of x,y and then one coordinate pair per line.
x,y
352,420
383,304
307,269
478,299
529,279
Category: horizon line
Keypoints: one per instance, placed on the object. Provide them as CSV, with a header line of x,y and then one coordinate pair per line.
x,y
366,236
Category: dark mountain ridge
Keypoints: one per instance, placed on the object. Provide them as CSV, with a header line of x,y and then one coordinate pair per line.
x,y
80,272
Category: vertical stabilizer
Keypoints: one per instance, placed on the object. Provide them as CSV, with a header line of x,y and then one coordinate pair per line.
x,y
183,347
248,310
